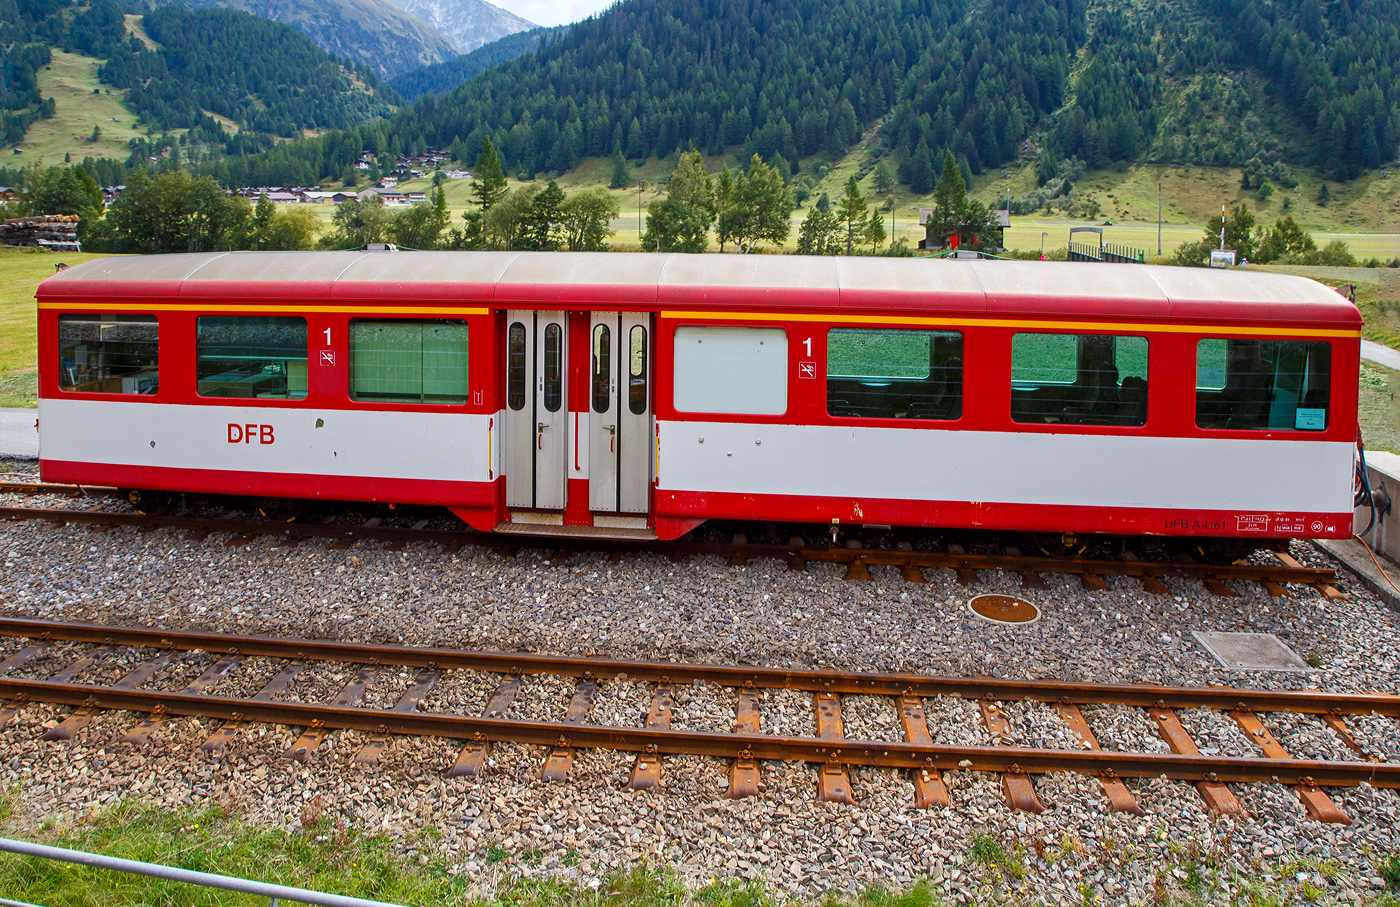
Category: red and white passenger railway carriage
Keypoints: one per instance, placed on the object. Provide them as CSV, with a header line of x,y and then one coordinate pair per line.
x,y
638,395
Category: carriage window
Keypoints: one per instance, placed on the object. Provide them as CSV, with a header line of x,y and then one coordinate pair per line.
x,y
731,370
409,361
553,367
1263,384
108,354
876,374
1079,379
637,371
515,367
251,356
602,373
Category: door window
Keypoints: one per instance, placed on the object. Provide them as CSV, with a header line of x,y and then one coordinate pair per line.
x,y
515,367
553,367
602,367
637,371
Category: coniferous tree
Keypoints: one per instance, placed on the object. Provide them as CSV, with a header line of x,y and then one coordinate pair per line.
x,y
851,211
875,231
949,202
489,180
681,221
760,208
818,234
539,227
620,176
921,178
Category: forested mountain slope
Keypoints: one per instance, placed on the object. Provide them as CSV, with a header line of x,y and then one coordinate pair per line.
x,y
385,37
1289,82
441,77
265,77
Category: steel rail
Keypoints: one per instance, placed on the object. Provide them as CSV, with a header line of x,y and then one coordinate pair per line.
x,y
1015,563
725,746
72,491
806,680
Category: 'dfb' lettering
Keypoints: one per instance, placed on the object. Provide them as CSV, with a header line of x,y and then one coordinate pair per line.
x,y
250,433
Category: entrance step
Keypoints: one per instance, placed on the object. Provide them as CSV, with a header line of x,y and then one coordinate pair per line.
x,y
556,530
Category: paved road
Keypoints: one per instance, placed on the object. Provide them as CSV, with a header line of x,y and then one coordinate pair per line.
x,y
1383,355
17,435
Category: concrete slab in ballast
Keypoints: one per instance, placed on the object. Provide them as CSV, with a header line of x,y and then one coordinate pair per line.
x,y
1250,651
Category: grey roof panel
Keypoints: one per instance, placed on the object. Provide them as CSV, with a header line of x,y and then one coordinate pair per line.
x,y
750,271
137,267
276,267
1064,287
892,283
429,267
612,268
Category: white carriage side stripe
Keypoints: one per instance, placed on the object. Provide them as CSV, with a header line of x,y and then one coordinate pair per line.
x,y
429,446
1084,470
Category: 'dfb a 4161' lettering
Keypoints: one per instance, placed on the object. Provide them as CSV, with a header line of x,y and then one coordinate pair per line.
x,y
252,433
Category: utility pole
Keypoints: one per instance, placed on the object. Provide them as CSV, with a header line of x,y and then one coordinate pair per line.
x,y
641,184
1222,227
1159,217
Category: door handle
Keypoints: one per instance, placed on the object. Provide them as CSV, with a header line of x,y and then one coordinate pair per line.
x,y
539,433
612,438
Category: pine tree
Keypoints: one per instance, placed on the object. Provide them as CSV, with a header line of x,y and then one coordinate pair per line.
x,y
681,221
921,170
875,231
760,208
884,178
262,221
539,224
620,177
851,211
949,200
489,183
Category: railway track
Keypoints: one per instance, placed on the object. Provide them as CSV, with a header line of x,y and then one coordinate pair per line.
x,y
1275,577
653,739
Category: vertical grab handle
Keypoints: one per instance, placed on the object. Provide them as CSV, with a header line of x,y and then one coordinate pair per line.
x,y
577,467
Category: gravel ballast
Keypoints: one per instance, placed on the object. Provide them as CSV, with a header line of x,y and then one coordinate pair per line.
x,y
647,607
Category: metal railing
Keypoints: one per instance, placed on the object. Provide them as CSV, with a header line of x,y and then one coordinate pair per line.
x,y
273,893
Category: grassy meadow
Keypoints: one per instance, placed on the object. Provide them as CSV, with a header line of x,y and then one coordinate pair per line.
x,y
81,103
20,272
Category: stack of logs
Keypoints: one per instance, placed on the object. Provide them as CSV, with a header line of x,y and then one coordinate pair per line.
x,y
58,232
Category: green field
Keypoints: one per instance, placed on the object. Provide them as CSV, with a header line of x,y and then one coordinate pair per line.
x,y
71,80
20,273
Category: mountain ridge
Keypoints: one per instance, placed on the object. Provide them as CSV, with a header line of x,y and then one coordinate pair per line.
x,y
469,24
382,35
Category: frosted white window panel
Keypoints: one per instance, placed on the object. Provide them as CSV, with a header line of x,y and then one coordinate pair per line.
x,y
731,370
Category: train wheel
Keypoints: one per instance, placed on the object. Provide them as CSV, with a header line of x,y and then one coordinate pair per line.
x,y
281,510
1059,544
151,503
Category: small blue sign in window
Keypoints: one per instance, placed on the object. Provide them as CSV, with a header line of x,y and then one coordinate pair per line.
x,y
1310,419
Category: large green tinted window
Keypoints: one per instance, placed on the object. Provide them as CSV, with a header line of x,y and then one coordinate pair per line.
x,y
108,354
409,361
1263,384
251,356
894,374
1079,379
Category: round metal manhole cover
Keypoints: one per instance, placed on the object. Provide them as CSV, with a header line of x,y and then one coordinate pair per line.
x,y
1004,609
